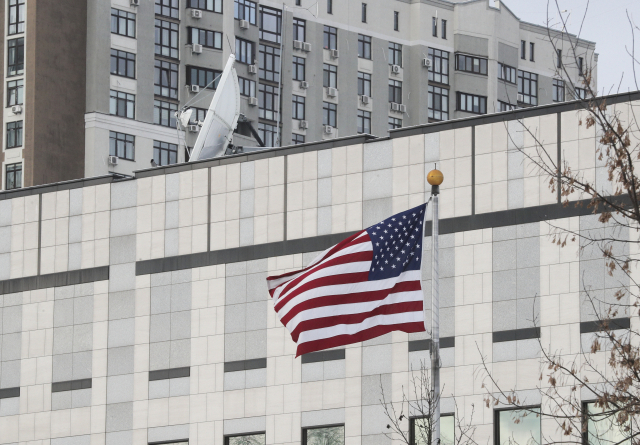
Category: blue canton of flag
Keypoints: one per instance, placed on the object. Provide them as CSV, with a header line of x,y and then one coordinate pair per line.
x,y
397,244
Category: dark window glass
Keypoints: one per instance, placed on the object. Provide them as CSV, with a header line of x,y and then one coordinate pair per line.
x,y
472,103
395,91
297,139
364,122
122,104
523,50
247,87
471,64
394,123
245,51
581,93
203,77
298,2
439,70
13,176
364,13
329,6
395,54
206,38
299,64
330,37
532,52
197,115
528,87
332,435
268,134
603,427
558,90
123,63
580,66
122,145
504,106
299,30
168,8
207,5
269,63
364,84
15,57
15,92
14,134
434,26
268,100
16,16
270,24
438,103
329,76
297,111
245,10
507,73
396,21
166,79
165,153
558,58
364,46
444,29
419,430
167,38
329,114
518,426
164,113
123,23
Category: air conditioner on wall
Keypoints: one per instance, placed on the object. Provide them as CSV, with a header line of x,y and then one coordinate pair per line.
x,y
426,62
520,97
196,13
16,109
365,99
304,84
328,129
244,24
194,88
297,44
395,106
253,101
395,69
193,128
196,48
253,69
335,53
135,2
303,125
113,160
306,46
402,108
332,92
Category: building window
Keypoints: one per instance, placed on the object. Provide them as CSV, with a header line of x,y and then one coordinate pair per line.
x,y
558,58
332,435
518,426
245,10
203,77
270,24
434,26
14,134
471,64
197,115
298,107
532,52
603,428
329,6
15,92
123,63
122,104
439,70
395,54
472,103
364,47
123,23
165,153
298,2
247,87
444,29
268,134
167,38
164,113
330,38
121,145
15,57
558,90
165,82
419,430
528,87
396,21
507,73
580,66
207,5
268,100
299,68
206,38
297,138
438,103
394,123
299,30
329,114
523,50
244,51
16,16
13,176
269,63
504,106
168,8
581,93
364,84
395,91
329,76
364,122
364,13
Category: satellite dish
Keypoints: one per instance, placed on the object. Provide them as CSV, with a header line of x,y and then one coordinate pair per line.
x,y
222,117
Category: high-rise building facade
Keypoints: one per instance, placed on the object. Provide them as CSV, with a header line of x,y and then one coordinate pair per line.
x,y
99,95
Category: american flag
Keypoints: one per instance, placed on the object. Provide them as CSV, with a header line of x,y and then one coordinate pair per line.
x,y
361,288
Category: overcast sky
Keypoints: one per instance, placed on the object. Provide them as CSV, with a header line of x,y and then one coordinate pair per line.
x,y
605,23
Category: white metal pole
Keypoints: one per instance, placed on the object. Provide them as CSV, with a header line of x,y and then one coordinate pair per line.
x,y
435,317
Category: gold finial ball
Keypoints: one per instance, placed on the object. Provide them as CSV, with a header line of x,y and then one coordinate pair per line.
x,y
435,177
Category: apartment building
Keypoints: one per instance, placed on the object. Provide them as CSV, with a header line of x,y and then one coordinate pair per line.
x,y
308,71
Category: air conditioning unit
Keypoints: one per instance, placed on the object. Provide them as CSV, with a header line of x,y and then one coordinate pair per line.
x,y
196,13
328,129
395,69
193,128
196,48
426,62
16,109
113,160
520,97
402,108
332,92
335,53
244,24
253,101
135,2
194,88
297,44
365,99
253,69
303,125
304,84
306,46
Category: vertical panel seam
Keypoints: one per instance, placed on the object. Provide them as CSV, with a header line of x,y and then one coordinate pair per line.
x,y
209,209
40,230
286,186
559,154
473,170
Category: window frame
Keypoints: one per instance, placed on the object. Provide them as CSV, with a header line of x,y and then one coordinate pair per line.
x,y
265,34
246,52
558,58
298,105
504,106
443,30
523,49
496,421
586,416
364,84
394,123
299,24
393,54
503,69
266,129
240,8
164,32
129,100
170,70
330,114
580,93
472,59
19,13
216,5
330,7
163,113
581,66
123,57
128,138
362,118
558,85
243,82
162,146
364,46
194,115
329,76
129,19
530,80
412,422
269,99
396,20
174,11
192,31
363,14
14,134
17,183
208,80
269,55
532,51
440,95
15,50
441,58
482,100
329,37
434,26
297,139
16,92
297,66
395,91
304,439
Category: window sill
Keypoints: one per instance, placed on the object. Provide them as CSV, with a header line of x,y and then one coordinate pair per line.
x,y
123,35
472,73
124,77
471,112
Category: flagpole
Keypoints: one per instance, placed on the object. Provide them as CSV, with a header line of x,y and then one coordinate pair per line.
x,y
435,178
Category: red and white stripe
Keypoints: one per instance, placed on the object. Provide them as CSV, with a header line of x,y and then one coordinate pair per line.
x,y
332,303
